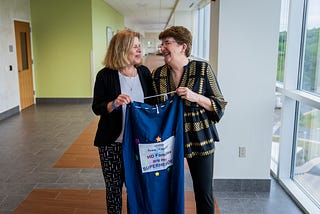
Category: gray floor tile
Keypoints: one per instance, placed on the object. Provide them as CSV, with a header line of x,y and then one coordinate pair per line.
x,y
36,138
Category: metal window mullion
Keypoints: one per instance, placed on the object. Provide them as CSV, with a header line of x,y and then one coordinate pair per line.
x,y
292,65
302,46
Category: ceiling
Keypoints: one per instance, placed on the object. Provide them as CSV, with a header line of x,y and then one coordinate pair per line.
x,y
150,15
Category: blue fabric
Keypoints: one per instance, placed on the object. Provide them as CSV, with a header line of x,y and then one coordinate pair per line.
x,y
154,172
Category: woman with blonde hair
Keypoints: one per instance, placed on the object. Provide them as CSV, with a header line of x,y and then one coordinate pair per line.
x,y
121,81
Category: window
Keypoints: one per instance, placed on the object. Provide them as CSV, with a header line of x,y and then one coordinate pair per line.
x,y
201,33
307,151
295,158
276,134
311,59
278,95
24,50
282,39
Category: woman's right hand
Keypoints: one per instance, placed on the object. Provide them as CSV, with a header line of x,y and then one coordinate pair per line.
x,y
122,99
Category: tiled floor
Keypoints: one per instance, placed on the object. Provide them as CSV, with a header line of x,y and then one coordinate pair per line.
x,y
32,143
38,142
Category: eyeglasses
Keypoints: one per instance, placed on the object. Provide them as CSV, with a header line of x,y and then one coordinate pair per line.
x,y
167,42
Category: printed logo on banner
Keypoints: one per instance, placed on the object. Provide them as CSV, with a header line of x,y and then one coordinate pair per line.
x,y
156,156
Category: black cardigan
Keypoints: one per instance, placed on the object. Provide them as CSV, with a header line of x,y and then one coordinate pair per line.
x,y
107,88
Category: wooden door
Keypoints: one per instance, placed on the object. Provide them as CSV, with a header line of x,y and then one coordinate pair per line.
x,y
23,49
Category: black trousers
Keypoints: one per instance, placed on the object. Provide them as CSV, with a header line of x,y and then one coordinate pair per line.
x,y
201,169
112,169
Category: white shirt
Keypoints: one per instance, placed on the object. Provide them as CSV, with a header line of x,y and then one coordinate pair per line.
x,y
130,86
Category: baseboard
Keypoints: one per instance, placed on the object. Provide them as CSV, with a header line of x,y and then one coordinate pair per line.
x,y
242,185
63,100
9,113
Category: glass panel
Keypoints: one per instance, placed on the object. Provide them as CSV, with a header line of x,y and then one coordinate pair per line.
x,y
206,34
201,32
307,166
24,50
282,39
195,37
311,74
278,96
200,47
276,133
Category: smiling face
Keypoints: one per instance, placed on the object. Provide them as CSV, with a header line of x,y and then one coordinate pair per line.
x,y
172,50
134,54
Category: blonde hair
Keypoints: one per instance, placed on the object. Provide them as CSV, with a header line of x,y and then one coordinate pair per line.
x,y
119,47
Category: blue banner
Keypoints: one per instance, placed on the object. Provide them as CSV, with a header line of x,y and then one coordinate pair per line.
x,y
153,155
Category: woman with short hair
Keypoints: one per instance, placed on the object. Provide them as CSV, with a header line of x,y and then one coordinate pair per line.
x,y
195,82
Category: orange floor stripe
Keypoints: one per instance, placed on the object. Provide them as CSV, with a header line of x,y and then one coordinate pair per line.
x,y
53,201
82,153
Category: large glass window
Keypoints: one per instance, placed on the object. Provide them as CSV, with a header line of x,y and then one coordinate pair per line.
x,y
307,160
282,39
278,95
297,146
276,134
202,33
311,60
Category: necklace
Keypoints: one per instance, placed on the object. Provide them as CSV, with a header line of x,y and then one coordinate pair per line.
x,y
129,82
129,77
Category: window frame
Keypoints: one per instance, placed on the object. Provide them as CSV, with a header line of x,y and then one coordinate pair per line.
x,y
293,96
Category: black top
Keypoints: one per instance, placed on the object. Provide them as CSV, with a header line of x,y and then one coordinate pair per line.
x,y
199,124
107,88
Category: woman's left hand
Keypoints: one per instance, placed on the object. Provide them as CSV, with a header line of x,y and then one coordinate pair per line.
x,y
186,93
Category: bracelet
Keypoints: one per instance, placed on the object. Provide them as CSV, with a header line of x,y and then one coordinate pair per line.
x,y
113,105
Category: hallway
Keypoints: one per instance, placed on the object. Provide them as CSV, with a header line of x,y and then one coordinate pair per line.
x,y
37,145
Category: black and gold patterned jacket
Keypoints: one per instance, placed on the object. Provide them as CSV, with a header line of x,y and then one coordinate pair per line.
x,y
199,124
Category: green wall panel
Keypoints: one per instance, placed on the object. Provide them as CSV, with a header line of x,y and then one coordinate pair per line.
x,y
65,34
62,41
103,16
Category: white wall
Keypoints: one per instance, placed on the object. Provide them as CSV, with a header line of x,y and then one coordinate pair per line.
x,y
248,39
10,10
183,18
